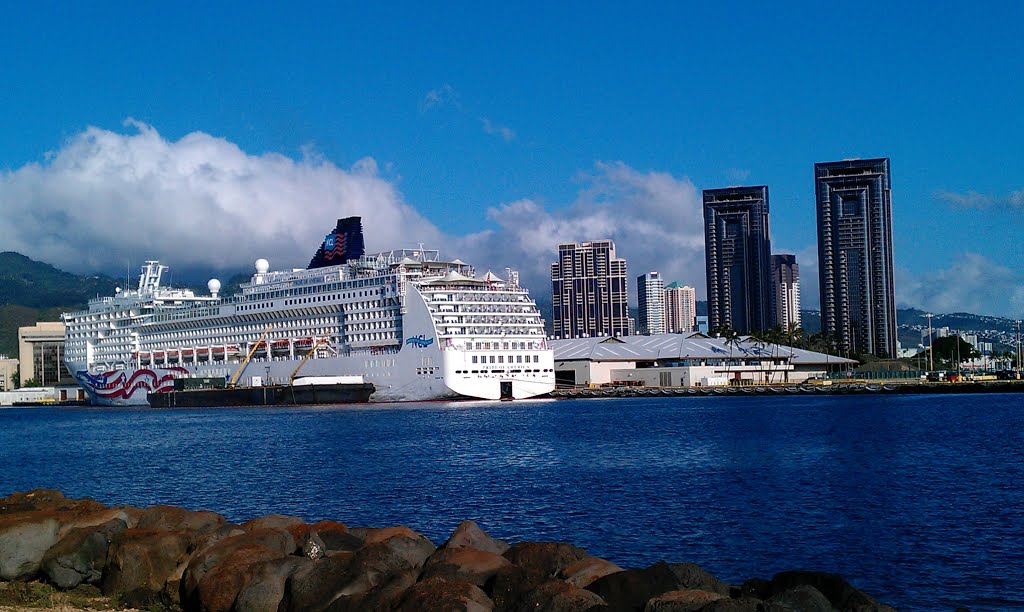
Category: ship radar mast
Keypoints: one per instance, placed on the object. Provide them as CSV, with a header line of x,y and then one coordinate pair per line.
x,y
149,280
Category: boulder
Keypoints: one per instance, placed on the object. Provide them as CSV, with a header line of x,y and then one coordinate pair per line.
x,y
440,595
630,589
803,598
558,596
686,600
739,604
47,499
469,535
273,521
24,539
468,564
383,597
314,585
81,555
264,590
126,514
587,570
220,586
174,518
510,585
693,576
141,561
547,558
215,551
840,593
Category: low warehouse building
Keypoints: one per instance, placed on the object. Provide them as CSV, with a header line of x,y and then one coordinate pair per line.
x,y
681,360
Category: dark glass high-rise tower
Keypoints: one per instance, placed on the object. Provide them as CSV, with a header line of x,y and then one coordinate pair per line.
x,y
855,263
589,291
738,254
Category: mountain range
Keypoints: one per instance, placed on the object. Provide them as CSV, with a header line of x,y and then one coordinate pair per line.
x,y
32,291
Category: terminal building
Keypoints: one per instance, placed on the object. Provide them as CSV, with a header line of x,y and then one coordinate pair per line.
x,y
680,360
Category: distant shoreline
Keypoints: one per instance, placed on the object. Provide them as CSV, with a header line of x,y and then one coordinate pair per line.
x,y
826,388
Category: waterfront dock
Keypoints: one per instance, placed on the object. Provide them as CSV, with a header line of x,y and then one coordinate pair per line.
x,y
851,387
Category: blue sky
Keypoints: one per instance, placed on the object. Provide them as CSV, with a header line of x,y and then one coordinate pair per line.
x,y
500,130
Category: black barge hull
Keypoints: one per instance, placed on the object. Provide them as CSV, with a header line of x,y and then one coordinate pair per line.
x,y
271,395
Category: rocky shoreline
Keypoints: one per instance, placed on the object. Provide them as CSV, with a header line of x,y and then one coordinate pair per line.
x,y
197,560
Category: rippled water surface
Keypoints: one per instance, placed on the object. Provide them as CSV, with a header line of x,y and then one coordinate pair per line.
x,y
919,500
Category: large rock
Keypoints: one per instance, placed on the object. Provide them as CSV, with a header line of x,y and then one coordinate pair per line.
x,y
141,561
558,596
687,600
383,597
693,576
739,604
334,535
585,571
47,499
469,535
439,595
510,586
175,518
214,552
630,590
315,585
264,590
803,598
547,558
468,564
841,594
24,539
273,521
81,555
221,585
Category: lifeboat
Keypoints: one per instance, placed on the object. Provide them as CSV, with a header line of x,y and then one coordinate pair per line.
x,y
159,354
279,347
203,354
187,353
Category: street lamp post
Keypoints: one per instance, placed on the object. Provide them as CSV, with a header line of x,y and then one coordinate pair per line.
x,y
1018,345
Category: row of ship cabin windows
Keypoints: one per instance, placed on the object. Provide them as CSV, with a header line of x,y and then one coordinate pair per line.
x,y
496,371
501,359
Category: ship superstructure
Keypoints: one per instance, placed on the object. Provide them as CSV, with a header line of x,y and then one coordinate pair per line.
x,y
415,325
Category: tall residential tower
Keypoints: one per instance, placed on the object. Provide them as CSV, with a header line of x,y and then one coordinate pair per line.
x,y
786,291
650,295
680,309
737,249
855,261
589,291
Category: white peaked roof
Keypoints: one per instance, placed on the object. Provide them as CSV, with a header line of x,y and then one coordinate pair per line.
x,y
454,276
408,261
458,262
492,277
672,347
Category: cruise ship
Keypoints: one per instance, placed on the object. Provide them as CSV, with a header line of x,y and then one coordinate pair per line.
x,y
417,326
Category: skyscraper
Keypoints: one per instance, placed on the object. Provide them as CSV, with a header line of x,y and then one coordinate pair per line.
x,y
786,291
589,290
680,309
855,263
737,249
650,293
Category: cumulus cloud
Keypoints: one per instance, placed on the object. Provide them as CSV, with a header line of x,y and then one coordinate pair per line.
x,y
445,95
506,133
106,198
972,199
973,284
655,219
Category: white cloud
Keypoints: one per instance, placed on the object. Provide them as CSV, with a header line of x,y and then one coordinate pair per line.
x,y
506,133
106,198
445,95
972,199
972,284
655,220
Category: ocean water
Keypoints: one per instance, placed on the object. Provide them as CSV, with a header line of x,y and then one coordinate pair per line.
x,y
918,500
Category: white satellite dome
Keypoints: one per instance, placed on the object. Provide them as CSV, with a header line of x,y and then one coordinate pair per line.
x,y
262,266
214,286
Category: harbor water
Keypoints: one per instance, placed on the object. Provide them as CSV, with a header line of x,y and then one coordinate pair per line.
x,y
916,499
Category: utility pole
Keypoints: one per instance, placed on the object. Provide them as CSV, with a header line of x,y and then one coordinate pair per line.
x,y
931,361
